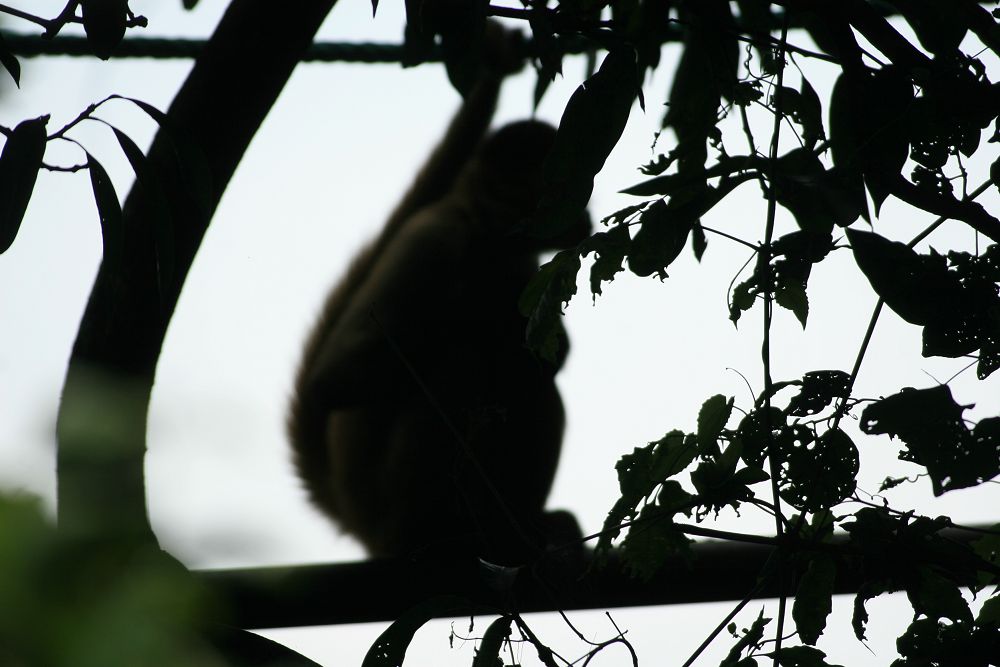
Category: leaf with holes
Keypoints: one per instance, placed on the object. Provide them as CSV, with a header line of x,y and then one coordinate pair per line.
x,y
931,425
816,473
819,388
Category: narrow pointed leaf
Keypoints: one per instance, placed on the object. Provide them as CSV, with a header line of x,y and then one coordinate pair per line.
x,y
109,211
10,63
19,164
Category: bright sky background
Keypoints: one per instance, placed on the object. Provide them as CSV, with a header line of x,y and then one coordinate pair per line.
x,y
318,180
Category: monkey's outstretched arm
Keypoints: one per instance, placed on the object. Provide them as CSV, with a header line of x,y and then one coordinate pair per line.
x,y
460,142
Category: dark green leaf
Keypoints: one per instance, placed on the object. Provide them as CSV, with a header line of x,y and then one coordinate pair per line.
x,y
609,249
743,298
819,388
160,209
109,211
104,22
390,647
939,28
753,434
750,476
641,472
814,597
488,654
699,243
930,424
936,597
374,7
751,639
543,299
19,164
987,548
660,239
671,454
246,649
792,296
810,115
652,541
706,73
818,473
712,419
801,656
868,118
10,63
591,125
989,614
917,287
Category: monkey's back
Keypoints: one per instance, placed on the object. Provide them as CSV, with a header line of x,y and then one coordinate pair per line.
x,y
462,412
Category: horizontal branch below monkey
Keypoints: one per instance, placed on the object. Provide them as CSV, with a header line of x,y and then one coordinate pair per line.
x,y
382,590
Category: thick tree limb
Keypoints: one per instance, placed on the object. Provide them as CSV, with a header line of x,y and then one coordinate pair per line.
x,y
221,105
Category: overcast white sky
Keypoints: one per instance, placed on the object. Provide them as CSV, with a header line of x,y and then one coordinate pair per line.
x,y
325,169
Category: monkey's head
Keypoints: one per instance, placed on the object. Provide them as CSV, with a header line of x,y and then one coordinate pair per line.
x,y
510,174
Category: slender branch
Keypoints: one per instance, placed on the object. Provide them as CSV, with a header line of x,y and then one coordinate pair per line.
x,y
735,239
765,267
723,624
17,13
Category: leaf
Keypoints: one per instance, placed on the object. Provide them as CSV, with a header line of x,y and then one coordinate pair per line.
x,y
109,211
671,454
640,472
810,115
609,249
819,388
390,647
706,72
699,243
10,63
800,656
660,239
936,597
939,28
751,639
754,433
488,653
590,127
19,164
817,198
246,649
868,118
930,424
816,473
712,418
989,614
918,288
792,296
159,209
542,302
814,597
652,541
374,8
104,22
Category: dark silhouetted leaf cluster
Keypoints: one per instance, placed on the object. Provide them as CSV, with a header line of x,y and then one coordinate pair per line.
x,y
956,299
930,424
